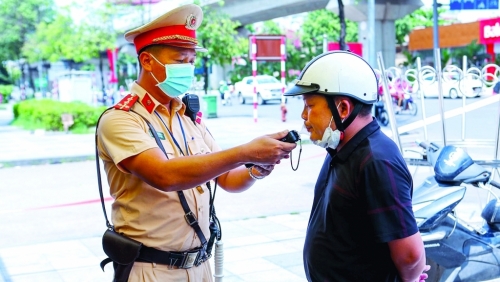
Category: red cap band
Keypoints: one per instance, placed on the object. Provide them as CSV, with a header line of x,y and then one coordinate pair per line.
x,y
176,34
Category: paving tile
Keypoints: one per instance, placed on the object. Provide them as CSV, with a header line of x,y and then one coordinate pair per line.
x,y
232,278
231,242
298,270
264,226
38,277
286,235
256,251
286,260
275,275
249,266
86,274
232,229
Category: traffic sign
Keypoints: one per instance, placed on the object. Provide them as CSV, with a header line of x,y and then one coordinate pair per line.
x,y
473,5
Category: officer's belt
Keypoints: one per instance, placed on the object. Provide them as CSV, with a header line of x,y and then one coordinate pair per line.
x,y
182,260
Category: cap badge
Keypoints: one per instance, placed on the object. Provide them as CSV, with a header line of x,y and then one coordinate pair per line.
x,y
191,22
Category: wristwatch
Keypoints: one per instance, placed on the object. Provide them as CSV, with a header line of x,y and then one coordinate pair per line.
x,y
253,175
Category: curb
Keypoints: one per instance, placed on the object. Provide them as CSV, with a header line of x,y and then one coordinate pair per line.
x,y
45,161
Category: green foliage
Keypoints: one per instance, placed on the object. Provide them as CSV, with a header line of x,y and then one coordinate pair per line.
x,y
46,114
410,59
474,52
422,17
18,20
5,91
322,22
218,35
4,75
64,38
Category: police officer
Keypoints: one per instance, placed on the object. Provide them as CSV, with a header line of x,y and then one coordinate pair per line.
x,y
144,182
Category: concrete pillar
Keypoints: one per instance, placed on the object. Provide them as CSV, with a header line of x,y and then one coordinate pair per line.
x,y
385,41
386,12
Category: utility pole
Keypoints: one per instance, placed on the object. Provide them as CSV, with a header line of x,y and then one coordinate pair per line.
x,y
435,28
371,33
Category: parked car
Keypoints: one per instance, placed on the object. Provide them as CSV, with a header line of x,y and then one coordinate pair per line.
x,y
453,87
268,89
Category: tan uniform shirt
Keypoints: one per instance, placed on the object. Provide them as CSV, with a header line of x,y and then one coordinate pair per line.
x,y
140,211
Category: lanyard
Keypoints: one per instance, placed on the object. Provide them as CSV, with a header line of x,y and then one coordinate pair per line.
x,y
172,135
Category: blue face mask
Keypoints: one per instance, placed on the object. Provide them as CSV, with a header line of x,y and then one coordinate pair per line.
x,y
179,78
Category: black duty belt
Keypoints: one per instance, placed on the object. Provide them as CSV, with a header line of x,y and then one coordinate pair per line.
x,y
182,260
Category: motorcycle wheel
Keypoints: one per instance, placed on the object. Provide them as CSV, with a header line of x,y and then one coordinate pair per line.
x,y
383,118
412,107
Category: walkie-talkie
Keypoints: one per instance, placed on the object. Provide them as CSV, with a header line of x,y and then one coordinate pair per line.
x,y
192,103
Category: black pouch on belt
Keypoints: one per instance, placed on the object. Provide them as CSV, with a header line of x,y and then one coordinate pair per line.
x,y
119,248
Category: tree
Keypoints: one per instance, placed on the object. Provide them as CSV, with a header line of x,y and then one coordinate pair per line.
x,y
64,38
319,23
18,20
218,35
474,52
422,17
342,45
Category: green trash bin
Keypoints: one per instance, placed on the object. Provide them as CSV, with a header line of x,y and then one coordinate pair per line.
x,y
210,108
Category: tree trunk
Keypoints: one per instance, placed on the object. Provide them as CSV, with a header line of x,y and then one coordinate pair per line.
x,y
342,45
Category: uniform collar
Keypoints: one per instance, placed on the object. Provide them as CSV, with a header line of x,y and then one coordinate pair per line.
x,y
150,103
353,143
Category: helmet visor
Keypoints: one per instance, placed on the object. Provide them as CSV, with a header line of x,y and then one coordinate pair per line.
x,y
302,87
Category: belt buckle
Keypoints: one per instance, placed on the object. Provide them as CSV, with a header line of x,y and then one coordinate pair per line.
x,y
189,259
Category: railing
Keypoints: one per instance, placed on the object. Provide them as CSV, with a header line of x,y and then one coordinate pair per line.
x,y
457,81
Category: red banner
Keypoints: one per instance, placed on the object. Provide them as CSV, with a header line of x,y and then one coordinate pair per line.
x,y
113,59
356,48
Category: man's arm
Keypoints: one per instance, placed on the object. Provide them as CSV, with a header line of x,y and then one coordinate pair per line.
x,y
408,255
186,172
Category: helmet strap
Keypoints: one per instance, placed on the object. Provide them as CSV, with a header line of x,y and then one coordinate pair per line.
x,y
341,126
335,113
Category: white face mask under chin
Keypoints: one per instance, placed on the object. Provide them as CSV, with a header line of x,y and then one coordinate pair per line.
x,y
331,139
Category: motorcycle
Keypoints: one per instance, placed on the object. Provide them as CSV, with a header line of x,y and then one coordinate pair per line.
x,y
381,114
407,105
456,250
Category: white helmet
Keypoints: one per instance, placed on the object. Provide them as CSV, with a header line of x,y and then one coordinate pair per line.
x,y
338,73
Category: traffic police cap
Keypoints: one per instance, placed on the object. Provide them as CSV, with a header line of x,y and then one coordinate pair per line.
x,y
177,28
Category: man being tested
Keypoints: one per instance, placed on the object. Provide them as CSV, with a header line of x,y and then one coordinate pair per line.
x,y
361,226
144,181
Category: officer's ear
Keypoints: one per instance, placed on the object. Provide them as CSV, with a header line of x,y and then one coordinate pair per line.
x,y
145,60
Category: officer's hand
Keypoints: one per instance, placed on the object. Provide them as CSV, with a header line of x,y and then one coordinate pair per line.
x,y
267,149
264,170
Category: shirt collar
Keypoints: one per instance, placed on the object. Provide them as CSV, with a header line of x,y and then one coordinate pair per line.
x,y
353,143
150,103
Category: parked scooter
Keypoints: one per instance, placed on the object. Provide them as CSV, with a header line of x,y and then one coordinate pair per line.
x,y
456,250
381,114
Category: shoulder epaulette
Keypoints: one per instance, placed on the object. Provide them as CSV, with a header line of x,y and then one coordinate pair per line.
x,y
127,102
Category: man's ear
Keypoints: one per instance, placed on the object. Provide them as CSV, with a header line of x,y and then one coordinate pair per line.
x,y
145,61
345,107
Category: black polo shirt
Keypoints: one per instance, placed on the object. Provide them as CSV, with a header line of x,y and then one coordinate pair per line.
x,y
362,200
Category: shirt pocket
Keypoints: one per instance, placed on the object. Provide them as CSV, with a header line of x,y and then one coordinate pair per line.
x,y
197,146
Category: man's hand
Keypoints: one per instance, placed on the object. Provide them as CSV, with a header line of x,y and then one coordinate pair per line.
x,y
424,275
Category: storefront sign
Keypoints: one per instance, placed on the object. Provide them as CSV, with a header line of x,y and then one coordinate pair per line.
x,y
489,31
